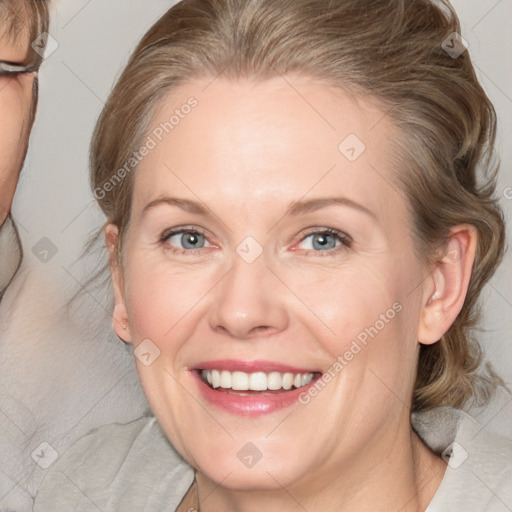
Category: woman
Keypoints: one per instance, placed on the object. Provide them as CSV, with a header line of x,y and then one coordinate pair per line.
x,y
298,238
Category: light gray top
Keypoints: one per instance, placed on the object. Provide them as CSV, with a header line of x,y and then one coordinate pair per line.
x,y
10,253
132,467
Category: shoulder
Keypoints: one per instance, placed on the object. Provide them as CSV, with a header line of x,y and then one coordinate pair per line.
x,y
479,471
117,467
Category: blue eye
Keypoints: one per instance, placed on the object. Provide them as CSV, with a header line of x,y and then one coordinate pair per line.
x,y
183,240
327,240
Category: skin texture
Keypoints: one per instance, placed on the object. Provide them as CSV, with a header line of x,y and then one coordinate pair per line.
x,y
246,152
15,119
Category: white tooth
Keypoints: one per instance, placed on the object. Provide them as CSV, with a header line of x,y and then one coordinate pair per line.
x,y
215,378
304,378
258,381
274,381
239,381
225,379
288,381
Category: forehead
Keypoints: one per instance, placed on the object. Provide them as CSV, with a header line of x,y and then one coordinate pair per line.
x,y
253,138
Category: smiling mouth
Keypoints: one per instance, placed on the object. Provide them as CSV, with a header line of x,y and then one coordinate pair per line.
x,y
242,383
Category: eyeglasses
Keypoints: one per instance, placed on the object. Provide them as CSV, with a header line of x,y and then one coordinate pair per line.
x,y
12,69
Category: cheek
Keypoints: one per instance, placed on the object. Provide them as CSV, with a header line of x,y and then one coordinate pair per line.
x,y
366,316
15,103
162,297
349,298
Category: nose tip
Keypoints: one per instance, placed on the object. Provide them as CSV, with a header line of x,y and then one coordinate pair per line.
x,y
248,302
242,331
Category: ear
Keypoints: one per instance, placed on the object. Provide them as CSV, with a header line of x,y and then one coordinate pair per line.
x,y
120,315
446,288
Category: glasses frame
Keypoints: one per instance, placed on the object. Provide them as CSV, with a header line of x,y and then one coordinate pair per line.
x,y
12,69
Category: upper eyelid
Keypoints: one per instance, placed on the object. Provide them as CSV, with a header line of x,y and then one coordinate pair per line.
x,y
184,229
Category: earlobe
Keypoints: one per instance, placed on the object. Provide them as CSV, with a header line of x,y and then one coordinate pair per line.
x,y
445,291
120,314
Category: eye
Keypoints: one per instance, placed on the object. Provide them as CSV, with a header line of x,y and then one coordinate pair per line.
x,y
325,240
328,241
185,240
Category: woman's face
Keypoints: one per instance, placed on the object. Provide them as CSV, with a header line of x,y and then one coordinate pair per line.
x,y
267,240
15,117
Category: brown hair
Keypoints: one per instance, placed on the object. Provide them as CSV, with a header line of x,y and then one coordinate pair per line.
x,y
14,15
392,50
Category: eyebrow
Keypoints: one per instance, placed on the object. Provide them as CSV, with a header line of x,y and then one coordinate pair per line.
x,y
184,204
311,205
294,209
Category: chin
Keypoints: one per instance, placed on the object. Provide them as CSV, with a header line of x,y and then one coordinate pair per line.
x,y
249,469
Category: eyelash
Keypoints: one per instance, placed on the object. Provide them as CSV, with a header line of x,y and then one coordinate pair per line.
x,y
346,240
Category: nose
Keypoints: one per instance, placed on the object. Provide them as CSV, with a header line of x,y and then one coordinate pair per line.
x,y
250,301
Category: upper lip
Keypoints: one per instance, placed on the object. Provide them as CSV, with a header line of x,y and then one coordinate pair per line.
x,y
233,365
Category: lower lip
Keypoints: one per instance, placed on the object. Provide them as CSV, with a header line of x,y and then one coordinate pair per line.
x,y
250,405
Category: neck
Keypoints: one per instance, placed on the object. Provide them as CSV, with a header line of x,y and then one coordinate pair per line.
x,y
400,475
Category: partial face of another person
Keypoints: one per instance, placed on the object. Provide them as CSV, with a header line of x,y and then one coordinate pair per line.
x,y
16,97
259,250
